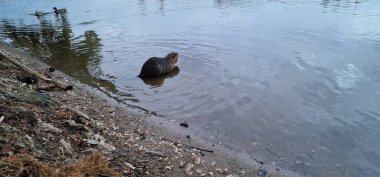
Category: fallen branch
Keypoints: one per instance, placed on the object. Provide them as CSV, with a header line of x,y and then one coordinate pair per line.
x,y
184,164
79,113
130,165
176,143
35,73
155,153
201,149
54,86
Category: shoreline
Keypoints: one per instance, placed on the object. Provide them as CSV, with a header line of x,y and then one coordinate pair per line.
x,y
145,138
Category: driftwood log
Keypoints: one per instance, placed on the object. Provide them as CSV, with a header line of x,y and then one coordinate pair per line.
x,y
55,84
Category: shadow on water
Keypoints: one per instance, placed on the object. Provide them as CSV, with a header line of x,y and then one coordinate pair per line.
x,y
54,42
159,81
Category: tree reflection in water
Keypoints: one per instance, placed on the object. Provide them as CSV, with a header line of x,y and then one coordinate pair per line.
x,y
55,43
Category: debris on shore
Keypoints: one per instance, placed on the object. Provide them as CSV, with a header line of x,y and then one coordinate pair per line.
x,y
69,132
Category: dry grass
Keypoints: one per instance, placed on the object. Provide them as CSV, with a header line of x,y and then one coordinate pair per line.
x,y
26,165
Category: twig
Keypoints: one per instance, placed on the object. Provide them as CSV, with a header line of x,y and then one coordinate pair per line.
x,y
184,164
175,142
130,165
155,153
53,86
35,73
79,113
201,149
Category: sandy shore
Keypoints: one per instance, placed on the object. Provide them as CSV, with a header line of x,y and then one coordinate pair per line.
x,y
130,142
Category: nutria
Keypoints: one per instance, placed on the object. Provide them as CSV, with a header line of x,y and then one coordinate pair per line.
x,y
159,81
155,66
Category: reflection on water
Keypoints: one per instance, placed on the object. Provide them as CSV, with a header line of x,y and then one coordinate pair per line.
x,y
293,83
54,41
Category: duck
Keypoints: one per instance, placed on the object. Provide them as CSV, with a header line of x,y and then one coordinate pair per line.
x,y
59,11
39,14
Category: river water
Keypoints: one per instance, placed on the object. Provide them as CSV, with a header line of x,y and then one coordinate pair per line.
x,y
293,83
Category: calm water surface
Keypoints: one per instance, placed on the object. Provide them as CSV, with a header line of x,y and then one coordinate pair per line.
x,y
293,83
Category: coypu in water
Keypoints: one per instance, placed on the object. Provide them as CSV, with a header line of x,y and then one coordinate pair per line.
x,y
159,81
155,66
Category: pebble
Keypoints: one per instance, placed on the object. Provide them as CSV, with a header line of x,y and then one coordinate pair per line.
x,y
184,124
262,172
93,142
49,127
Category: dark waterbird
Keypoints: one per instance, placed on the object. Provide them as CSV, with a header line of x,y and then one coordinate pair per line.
x,y
59,11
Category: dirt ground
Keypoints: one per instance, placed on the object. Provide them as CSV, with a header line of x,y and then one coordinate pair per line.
x,y
82,132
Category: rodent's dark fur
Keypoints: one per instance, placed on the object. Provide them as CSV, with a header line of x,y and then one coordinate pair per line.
x,y
155,66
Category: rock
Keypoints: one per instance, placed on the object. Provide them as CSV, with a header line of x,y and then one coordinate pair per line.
x,y
298,162
30,117
107,146
2,97
51,69
130,166
48,127
73,124
92,142
99,124
261,172
2,118
184,124
155,153
28,141
111,109
28,80
91,150
37,98
66,146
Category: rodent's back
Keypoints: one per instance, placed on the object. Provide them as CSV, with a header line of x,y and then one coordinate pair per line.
x,y
155,66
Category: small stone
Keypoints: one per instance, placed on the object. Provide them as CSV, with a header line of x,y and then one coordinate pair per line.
x,y
107,146
48,127
51,69
262,172
111,109
92,142
298,162
184,124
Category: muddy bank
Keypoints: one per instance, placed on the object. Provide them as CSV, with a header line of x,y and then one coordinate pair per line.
x,y
49,132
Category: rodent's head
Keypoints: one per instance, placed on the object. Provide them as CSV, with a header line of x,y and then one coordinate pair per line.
x,y
173,57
